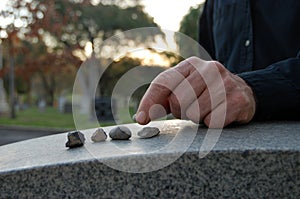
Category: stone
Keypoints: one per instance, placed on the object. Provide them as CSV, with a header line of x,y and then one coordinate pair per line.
x,y
148,132
99,135
75,139
120,133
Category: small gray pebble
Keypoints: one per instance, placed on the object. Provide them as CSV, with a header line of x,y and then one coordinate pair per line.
x,y
75,139
99,135
148,132
120,133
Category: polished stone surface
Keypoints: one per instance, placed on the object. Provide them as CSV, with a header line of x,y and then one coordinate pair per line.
x,y
257,160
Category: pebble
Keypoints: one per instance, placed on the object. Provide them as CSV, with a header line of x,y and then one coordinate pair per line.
x,y
75,139
120,133
99,135
148,132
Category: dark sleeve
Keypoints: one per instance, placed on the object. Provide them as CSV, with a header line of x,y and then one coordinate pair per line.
x,y
277,90
205,28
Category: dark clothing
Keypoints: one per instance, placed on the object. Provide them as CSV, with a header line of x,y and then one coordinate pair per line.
x,y
259,40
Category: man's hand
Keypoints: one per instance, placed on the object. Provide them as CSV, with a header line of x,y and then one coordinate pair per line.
x,y
197,90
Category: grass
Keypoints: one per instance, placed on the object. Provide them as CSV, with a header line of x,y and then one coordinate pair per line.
x,y
52,118
33,117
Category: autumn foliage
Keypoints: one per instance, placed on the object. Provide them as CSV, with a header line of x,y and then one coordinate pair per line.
x,y
44,34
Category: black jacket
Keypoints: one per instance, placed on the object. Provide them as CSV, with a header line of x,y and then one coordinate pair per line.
x,y
259,40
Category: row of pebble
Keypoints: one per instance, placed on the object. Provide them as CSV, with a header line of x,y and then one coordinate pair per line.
x,y
77,139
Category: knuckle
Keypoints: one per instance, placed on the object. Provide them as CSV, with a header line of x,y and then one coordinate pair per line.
x,y
163,78
193,59
218,65
194,62
242,100
229,83
215,64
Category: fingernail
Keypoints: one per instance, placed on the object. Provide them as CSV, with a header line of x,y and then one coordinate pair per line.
x,y
140,117
134,117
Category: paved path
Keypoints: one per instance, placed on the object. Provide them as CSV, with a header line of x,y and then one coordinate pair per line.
x,y
15,134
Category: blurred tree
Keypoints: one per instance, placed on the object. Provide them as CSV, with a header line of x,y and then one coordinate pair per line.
x,y
138,73
33,59
189,23
31,49
189,27
172,57
118,68
55,29
114,72
74,23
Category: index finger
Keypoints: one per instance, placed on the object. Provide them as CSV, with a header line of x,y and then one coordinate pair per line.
x,y
159,91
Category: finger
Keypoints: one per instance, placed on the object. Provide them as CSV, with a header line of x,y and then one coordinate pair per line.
x,y
218,117
213,95
187,66
157,94
162,86
186,93
201,74
205,103
199,108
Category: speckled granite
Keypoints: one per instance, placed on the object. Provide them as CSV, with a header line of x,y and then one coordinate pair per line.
x,y
260,160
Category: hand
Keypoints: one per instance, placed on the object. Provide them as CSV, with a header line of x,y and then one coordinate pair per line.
x,y
200,91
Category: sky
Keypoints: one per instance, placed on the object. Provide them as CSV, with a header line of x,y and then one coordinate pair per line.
x,y
168,13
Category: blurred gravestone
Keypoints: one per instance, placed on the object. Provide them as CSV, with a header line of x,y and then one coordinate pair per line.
x,y
88,78
67,107
4,108
104,108
42,105
61,103
3,104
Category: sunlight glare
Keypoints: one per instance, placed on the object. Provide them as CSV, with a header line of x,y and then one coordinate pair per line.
x,y
88,49
150,58
169,13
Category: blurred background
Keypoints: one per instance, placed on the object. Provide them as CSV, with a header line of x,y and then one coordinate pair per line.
x,y
44,42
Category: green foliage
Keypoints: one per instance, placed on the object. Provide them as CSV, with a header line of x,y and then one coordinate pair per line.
x,y
114,72
189,27
189,23
109,18
21,86
77,22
